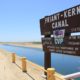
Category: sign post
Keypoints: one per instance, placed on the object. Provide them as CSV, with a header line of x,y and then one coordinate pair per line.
x,y
47,59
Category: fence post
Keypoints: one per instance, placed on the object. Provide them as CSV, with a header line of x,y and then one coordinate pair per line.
x,y
13,57
50,74
24,64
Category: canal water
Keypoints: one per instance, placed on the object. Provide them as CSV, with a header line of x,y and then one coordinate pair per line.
x,y
64,64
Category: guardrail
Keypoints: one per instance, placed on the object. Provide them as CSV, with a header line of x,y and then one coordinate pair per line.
x,y
51,72
72,76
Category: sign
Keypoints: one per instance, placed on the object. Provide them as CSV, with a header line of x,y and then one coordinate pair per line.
x,y
58,28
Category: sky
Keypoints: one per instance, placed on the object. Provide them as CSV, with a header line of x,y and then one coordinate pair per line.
x,y
19,19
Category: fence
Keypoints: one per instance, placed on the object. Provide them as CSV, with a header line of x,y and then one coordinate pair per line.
x,y
51,72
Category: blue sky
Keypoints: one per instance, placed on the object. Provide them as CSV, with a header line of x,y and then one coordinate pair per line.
x,y
19,19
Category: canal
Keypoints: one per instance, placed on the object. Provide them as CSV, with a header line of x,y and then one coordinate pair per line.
x,y
64,64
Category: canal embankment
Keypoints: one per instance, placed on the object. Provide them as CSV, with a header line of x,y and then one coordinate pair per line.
x,y
25,44
13,71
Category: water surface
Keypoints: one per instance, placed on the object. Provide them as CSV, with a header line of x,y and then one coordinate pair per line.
x,y
64,64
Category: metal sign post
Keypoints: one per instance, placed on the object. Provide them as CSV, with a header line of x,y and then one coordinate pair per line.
x,y
47,58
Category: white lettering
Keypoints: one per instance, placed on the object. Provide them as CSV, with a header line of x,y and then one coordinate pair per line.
x,y
66,24
53,25
55,17
73,11
78,10
65,14
69,13
46,19
58,24
58,15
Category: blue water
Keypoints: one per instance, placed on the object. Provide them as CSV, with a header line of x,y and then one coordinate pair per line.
x,y
64,64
